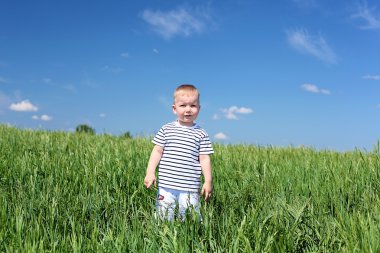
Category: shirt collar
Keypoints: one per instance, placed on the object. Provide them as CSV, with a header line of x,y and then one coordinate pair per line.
x,y
193,126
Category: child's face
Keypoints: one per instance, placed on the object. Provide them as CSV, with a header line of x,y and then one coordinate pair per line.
x,y
186,107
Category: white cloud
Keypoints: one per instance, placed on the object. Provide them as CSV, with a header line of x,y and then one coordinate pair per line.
x,y
23,106
102,115
124,55
155,50
175,22
316,46
43,117
310,88
231,113
324,91
220,136
314,89
372,21
372,77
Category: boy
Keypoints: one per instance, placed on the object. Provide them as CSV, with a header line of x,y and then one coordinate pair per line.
x,y
181,151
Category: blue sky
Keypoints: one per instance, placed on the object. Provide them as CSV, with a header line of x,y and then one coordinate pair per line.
x,y
281,73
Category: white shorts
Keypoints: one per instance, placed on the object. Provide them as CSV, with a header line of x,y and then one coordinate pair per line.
x,y
168,199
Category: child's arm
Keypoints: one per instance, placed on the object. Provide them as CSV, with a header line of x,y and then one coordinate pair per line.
x,y
205,162
150,177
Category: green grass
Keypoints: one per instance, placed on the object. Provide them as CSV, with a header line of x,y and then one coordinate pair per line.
x,y
65,192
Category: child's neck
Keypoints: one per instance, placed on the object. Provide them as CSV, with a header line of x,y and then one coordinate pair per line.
x,y
190,124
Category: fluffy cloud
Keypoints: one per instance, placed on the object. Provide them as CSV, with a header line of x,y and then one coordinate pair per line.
x,y
43,117
233,111
316,46
220,136
314,89
175,22
23,106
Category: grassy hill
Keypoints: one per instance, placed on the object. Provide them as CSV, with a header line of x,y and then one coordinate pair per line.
x,y
78,192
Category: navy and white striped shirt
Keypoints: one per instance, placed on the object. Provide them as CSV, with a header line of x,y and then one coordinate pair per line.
x,y
179,167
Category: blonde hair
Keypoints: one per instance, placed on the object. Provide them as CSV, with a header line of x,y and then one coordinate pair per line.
x,y
185,89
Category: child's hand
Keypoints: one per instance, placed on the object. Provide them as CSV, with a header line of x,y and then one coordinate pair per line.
x,y
149,180
207,190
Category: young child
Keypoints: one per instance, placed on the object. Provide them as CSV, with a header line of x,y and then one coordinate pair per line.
x,y
181,151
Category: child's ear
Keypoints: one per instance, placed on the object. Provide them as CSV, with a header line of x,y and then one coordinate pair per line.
x,y
174,109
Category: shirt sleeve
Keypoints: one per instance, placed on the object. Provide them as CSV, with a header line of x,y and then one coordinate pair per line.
x,y
159,139
205,146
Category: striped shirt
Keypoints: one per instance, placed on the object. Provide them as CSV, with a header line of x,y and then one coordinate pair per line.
x,y
179,167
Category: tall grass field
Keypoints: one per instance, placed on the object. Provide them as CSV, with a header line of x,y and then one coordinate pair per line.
x,y
69,192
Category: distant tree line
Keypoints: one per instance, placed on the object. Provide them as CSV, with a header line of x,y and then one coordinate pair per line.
x,y
84,128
